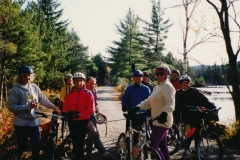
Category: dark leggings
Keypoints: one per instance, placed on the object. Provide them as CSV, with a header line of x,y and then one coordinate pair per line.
x,y
78,131
159,140
23,132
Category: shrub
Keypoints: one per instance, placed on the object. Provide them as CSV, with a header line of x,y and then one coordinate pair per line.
x,y
6,125
232,135
116,81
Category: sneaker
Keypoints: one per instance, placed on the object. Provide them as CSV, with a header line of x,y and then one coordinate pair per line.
x,y
108,156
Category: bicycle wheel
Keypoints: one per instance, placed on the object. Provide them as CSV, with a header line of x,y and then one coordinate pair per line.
x,y
149,153
65,148
122,148
209,147
173,139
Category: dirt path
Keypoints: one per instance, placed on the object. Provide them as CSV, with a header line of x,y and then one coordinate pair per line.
x,y
110,106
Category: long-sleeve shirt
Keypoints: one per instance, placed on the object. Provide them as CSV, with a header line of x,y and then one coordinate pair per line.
x,y
64,92
149,85
133,95
176,83
191,97
81,101
161,99
19,99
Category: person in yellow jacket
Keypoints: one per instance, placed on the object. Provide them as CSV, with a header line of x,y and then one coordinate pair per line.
x,y
68,79
67,87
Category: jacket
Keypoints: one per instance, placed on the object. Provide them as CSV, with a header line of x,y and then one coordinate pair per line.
x,y
176,83
64,92
191,97
18,103
148,85
81,101
161,99
133,95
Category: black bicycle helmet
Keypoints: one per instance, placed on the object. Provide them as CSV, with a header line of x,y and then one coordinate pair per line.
x,y
176,71
25,69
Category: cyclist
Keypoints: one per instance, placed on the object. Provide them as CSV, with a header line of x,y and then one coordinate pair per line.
x,y
24,99
68,79
93,136
189,97
162,103
134,94
175,74
145,80
79,104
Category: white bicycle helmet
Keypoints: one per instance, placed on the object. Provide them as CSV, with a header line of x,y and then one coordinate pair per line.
x,y
165,67
68,76
100,118
185,78
79,75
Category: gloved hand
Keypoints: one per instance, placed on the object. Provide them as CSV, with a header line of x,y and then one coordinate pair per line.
x,y
133,110
124,108
162,118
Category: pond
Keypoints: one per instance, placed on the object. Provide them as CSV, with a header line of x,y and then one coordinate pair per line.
x,y
222,98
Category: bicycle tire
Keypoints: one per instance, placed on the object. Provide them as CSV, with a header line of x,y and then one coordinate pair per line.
x,y
65,148
173,139
209,147
122,147
149,153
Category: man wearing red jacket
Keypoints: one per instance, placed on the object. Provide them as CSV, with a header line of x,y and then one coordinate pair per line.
x,y
175,74
79,105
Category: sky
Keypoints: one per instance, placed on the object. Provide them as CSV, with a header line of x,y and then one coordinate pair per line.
x,y
95,23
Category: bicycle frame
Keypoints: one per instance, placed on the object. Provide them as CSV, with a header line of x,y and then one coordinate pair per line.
x,y
50,147
142,140
203,126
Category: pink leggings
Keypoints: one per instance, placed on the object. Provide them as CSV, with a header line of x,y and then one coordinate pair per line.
x,y
159,140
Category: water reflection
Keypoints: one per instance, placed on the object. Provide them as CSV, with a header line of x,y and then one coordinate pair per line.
x,y
222,98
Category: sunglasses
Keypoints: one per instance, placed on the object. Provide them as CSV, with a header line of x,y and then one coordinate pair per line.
x,y
159,73
137,76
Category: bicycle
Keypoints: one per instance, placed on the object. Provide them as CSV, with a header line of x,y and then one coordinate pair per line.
x,y
141,151
209,145
51,149
173,136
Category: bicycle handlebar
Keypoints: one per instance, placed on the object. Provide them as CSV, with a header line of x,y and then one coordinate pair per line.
x,y
52,115
202,109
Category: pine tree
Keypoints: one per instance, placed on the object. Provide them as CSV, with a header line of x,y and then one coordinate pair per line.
x,y
78,54
154,34
128,51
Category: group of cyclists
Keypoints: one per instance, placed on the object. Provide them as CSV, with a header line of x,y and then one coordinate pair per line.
x,y
167,101
79,103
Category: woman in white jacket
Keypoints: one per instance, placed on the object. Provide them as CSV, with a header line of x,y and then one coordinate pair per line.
x,y
162,104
